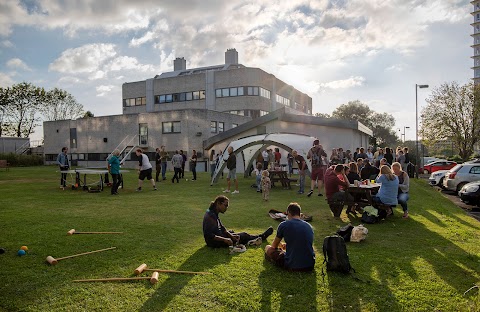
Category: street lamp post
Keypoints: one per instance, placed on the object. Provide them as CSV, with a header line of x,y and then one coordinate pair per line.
x,y
404,127
417,156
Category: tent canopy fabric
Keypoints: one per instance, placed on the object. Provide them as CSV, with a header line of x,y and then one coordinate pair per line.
x,y
247,149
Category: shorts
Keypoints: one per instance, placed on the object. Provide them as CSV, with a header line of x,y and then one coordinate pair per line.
x,y
145,174
317,173
232,174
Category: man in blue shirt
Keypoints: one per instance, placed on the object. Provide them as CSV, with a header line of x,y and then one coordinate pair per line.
x,y
62,162
296,254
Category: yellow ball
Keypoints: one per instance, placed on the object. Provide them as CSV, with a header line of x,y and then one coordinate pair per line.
x,y
24,248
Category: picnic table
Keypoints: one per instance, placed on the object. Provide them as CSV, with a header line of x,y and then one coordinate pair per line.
x,y
282,177
362,193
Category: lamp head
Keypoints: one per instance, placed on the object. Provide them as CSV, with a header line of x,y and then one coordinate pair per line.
x,y
422,86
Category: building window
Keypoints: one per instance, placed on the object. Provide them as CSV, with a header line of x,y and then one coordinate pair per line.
x,y
73,137
282,100
233,91
213,126
128,102
225,92
171,127
265,93
142,134
196,95
188,96
234,125
202,94
141,101
240,91
218,93
252,91
221,126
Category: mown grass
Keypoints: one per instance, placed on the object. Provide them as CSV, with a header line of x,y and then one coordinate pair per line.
x,y
425,263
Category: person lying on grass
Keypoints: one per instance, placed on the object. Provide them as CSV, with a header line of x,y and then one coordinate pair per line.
x,y
296,254
216,235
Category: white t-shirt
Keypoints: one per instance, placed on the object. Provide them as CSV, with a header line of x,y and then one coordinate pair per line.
x,y
144,163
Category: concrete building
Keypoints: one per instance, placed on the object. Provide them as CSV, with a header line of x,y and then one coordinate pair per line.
x,y
476,41
184,108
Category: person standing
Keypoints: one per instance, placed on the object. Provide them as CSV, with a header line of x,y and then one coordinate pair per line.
x,y
184,160
278,157
315,155
271,159
193,165
64,164
296,254
302,165
403,187
114,169
265,159
213,163
266,184
158,164
217,236
388,155
258,176
163,159
290,164
177,161
232,171
144,170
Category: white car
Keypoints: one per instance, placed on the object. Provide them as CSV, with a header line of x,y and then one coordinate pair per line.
x,y
436,178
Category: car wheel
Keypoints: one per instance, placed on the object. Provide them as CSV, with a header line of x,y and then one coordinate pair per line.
x,y
425,171
460,185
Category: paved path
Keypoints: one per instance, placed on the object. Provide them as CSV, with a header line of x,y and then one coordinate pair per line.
x,y
469,209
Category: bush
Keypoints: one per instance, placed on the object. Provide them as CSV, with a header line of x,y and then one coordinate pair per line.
x,y
456,158
16,160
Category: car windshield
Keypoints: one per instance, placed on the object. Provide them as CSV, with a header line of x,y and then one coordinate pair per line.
x,y
456,168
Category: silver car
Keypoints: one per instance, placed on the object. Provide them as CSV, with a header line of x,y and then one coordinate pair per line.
x,y
462,174
437,177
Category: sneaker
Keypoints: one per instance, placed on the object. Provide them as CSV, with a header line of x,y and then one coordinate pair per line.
x,y
267,233
320,194
405,215
300,192
255,242
226,191
310,193
139,189
235,192
154,188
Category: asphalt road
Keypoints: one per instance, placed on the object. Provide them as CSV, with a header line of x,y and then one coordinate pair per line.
x,y
469,209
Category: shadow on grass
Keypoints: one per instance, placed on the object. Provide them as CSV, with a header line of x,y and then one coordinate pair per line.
x,y
204,259
287,291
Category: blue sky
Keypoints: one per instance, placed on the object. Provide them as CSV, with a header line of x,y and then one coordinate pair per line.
x,y
335,51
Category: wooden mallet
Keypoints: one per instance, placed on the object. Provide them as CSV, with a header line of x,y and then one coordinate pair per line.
x,y
144,267
72,231
54,261
153,279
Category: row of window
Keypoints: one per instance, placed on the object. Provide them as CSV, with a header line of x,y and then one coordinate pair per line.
x,y
241,91
282,100
135,101
180,97
254,113
217,126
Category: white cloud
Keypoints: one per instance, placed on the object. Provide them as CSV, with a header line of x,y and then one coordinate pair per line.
x,y
127,62
395,68
17,63
5,80
103,90
70,80
6,44
85,59
344,84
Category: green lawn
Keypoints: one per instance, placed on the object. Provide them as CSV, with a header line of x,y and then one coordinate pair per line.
x,y
425,263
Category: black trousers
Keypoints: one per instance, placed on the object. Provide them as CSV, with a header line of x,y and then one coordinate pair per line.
x,y
177,175
193,169
63,176
244,238
116,182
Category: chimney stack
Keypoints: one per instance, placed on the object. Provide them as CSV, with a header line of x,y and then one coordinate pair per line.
x,y
179,64
231,56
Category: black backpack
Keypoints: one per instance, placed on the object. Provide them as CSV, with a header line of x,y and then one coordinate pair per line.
x,y
335,254
345,232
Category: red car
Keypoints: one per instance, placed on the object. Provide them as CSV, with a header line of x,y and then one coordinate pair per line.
x,y
438,165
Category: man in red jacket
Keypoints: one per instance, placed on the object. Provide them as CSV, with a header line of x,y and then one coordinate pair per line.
x,y
337,198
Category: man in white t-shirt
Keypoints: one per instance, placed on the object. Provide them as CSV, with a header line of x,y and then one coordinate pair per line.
x,y
144,170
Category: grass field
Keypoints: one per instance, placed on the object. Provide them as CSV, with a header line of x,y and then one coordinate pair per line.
x,y
425,263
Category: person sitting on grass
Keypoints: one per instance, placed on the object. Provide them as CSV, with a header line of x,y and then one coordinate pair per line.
x,y
216,235
296,254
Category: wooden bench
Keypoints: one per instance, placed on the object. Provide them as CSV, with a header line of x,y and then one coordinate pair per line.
x,y
4,164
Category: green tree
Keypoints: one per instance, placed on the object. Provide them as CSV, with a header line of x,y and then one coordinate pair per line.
x,y
380,123
322,115
453,113
20,106
88,114
60,105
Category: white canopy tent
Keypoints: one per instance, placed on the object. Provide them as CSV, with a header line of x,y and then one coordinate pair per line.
x,y
247,149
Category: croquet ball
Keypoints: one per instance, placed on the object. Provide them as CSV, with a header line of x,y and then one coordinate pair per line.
x,y
186,179
21,252
2,250
24,248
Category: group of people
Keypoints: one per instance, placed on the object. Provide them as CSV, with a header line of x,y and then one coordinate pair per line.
x,y
294,254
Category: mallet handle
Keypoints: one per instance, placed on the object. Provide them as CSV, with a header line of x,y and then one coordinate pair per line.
x,y
153,279
85,253
174,271
98,233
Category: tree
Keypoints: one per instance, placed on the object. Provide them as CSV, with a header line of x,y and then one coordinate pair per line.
x,y
453,113
20,105
61,105
380,123
88,114
322,115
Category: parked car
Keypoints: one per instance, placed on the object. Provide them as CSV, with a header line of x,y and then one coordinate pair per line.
x,y
470,193
438,165
462,174
436,178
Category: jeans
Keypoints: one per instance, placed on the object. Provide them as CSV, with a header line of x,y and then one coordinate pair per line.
x,y
402,200
193,169
259,182
302,183
164,170
212,169
178,172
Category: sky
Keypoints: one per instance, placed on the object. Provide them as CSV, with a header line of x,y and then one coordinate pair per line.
x,y
336,51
